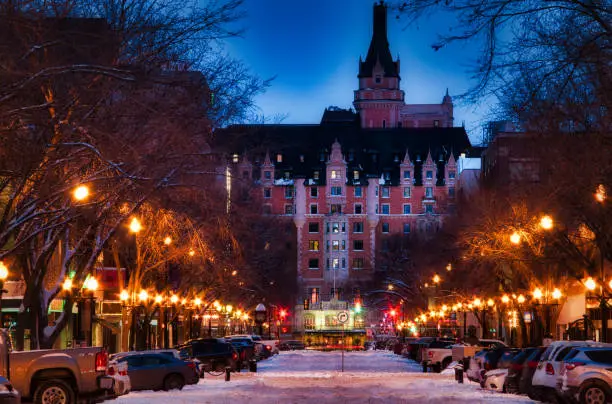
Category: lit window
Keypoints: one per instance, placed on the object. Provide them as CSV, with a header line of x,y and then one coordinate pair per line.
x,y
336,245
407,192
334,175
335,263
407,209
315,175
356,174
279,158
385,209
235,157
335,227
313,245
336,208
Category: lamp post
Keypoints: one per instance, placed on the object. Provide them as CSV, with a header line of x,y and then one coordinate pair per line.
x,y
91,285
4,273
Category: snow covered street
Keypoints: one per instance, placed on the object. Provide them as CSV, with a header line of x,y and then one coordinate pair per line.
x,y
304,377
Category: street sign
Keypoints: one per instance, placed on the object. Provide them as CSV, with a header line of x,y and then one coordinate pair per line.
x,y
343,317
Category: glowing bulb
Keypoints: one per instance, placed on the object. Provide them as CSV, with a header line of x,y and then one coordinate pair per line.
x,y
158,299
556,294
168,240
436,279
537,294
67,285
191,253
143,295
477,302
135,225
590,284
124,295
174,299
197,301
546,222
80,193
490,303
520,299
91,284
505,299
515,238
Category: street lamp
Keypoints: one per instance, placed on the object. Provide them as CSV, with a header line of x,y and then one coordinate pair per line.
x,y
4,273
546,222
80,193
515,238
436,279
600,193
135,225
91,285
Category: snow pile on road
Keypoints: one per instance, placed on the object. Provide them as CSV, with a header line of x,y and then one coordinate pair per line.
x,y
311,377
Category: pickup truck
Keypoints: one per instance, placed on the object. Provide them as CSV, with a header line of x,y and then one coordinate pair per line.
x,y
57,375
437,355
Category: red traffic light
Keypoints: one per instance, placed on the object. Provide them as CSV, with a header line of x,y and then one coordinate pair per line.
x,y
393,313
283,313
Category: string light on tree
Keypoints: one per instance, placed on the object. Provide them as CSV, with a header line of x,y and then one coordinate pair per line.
x,y
80,193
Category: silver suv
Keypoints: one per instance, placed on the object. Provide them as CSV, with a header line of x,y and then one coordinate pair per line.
x,y
586,376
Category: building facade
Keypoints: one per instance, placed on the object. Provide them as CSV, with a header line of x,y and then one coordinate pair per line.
x,y
353,181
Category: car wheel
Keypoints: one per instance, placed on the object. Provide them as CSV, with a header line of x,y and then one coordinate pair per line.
x,y
54,391
174,382
593,393
446,362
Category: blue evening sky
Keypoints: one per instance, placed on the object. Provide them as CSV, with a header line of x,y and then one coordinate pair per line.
x,y
313,48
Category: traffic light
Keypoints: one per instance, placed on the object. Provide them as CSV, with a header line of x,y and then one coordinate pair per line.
x,y
283,313
306,304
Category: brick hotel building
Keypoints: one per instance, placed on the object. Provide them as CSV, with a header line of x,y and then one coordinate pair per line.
x,y
353,180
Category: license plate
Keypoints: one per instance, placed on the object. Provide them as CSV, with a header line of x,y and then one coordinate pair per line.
x,y
106,383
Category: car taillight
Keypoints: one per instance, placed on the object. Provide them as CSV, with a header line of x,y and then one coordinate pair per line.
x,y
430,354
123,373
549,369
191,365
573,365
111,371
234,356
268,347
101,361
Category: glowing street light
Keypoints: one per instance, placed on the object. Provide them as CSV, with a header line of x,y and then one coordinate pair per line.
x,y
477,302
124,295
436,279
135,225
168,240
449,267
537,293
91,284
520,299
191,253
515,238
590,284
556,294
546,222
390,287
174,299
197,301
505,299
490,303
143,295
159,299
600,193
67,285
80,193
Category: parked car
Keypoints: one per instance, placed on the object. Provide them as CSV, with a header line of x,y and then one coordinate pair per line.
x,y
495,379
291,345
245,348
528,370
485,361
154,371
119,372
437,355
544,382
272,343
515,370
263,351
8,394
586,376
71,373
415,347
215,354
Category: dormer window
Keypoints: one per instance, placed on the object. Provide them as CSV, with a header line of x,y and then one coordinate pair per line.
x,y
351,155
396,158
315,175
279,158
268,175
406,174
322,157
235,157
451,175
334,175
387,175
378,79
436,123
429,175
356,174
